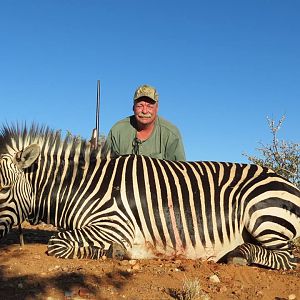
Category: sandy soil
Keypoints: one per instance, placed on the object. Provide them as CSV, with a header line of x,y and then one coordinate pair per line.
x,y
28,273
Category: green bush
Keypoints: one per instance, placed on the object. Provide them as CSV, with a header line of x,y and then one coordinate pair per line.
x,y
281,156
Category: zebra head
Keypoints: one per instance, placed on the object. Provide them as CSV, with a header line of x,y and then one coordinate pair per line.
x,y
15,189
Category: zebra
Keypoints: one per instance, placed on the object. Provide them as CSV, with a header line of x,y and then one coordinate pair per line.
x,y
138,207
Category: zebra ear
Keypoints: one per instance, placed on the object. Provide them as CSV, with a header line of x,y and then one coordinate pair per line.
x,y
28,156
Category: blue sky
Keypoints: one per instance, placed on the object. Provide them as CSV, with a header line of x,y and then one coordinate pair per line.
x,y
220,67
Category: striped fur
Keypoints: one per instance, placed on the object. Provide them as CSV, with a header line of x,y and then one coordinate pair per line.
x,y
139,207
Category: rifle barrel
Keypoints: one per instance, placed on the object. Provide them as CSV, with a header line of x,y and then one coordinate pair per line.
x,y
98,107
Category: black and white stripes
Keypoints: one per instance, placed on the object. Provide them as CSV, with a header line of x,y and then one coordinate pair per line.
x,y
141,207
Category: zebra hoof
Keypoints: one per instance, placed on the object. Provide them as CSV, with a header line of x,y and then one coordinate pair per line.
x,y
116,251
236,260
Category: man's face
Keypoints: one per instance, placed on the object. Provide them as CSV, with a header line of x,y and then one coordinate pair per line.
x,y
145,110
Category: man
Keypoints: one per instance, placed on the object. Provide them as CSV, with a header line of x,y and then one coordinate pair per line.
x,y
145,133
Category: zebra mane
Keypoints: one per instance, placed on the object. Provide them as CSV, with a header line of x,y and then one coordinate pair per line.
x,y
17,137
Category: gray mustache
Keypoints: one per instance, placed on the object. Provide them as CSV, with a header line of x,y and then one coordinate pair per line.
x,y
145,115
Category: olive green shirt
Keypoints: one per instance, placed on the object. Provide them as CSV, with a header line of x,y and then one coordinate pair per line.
x,y
165,141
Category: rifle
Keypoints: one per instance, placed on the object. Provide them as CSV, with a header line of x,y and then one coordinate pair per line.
x,y
95,133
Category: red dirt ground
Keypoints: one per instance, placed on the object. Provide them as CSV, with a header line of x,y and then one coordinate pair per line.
x,y
28,273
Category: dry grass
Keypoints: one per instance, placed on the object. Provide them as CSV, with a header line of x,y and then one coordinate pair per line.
x,y
191,290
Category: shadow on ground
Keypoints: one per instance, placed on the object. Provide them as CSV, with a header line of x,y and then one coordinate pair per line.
x,y
31,236
58,282
65,285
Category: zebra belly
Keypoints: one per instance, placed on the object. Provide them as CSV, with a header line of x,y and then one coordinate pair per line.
x,y
146,248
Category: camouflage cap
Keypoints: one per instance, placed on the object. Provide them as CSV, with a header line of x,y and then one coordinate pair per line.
x,y
146,91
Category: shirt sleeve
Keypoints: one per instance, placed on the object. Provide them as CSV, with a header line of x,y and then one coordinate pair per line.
x,y
110,146
175,149
179,152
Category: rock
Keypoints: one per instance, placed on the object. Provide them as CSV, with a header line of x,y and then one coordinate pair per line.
x,y
214,278
168,265
292,297
223,289
20,285
123,262
55,268
132,262
136,267
84,293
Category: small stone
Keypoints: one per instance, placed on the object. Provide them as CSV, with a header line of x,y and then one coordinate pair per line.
x,y
123,262
20,285
214,278
223,289
104,257
132,262
55,268
83,292
136,267
292,297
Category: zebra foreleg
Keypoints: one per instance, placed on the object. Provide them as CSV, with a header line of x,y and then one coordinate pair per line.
x,y
255,254
65,248
71,244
